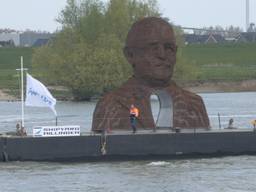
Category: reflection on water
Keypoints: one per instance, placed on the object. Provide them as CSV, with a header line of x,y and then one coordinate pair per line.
x,y
227,174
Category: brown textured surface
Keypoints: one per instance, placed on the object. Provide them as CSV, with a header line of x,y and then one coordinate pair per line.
x,y
151,50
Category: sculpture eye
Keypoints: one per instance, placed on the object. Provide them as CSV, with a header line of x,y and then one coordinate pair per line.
x,y
170,47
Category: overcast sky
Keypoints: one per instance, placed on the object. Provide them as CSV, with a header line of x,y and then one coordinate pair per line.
x,y
41,14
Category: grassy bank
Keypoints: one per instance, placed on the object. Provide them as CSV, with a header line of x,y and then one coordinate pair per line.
x,y
9,62
10,77
215,62
224,62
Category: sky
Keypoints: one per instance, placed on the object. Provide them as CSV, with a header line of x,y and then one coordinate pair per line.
x,y
41,14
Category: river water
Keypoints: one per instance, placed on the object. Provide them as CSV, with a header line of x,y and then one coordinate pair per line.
x,y
234,174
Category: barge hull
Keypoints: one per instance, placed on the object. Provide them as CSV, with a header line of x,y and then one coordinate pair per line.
x,y
51,148
127,146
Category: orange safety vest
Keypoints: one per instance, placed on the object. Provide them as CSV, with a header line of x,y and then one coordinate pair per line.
x,y
134,111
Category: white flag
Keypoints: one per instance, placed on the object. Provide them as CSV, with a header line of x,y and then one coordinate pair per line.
x,y
37,95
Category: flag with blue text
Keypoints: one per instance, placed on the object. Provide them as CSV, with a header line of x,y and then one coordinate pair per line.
x,y
37,95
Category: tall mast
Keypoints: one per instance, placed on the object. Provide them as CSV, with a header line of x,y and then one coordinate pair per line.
x,y
22,92
22,89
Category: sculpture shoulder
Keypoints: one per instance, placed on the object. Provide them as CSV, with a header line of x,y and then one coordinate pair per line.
x,y
108,100
120,94
130,90
189,110
190,96
115,100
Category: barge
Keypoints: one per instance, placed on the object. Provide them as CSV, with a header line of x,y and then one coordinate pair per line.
x,y
123,145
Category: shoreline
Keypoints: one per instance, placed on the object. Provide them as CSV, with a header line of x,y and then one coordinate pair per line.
x,y
220,87
6,97
197,87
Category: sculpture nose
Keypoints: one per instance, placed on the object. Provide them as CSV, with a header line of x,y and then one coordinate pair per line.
x,y
161,52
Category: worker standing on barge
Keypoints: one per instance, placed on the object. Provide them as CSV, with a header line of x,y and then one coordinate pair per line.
x,y
134,114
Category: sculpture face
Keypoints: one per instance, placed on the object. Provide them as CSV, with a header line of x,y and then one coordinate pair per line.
x,y
153,53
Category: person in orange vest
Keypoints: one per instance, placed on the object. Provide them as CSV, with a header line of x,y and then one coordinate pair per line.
x,y
134,114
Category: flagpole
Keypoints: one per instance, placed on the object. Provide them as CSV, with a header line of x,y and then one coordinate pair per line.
x,y
22,89
22,92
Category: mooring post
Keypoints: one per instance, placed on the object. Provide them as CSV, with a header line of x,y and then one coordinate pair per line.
x,y
5,154
219,120
56,120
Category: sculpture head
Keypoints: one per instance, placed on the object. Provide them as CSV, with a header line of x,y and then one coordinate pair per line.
x,y
151,50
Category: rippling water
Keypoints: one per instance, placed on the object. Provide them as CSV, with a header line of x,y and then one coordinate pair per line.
x,y
229,174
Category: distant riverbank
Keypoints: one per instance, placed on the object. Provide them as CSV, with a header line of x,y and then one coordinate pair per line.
x,y
6,97
198,87
213,87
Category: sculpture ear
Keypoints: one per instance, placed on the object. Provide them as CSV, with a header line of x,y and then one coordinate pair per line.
x,y
128,54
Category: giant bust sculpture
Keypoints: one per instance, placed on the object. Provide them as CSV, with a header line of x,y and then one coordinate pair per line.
x,y
151,50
